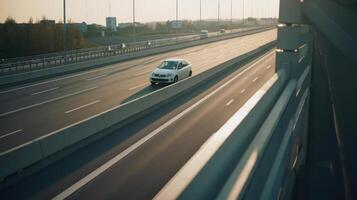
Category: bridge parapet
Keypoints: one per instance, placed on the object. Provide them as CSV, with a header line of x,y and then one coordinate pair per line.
x,y
261,156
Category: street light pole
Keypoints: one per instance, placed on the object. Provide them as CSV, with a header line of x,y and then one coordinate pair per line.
x,y
200,14
251,8
231,15
176,24
134,29
243,12
219,8
64,32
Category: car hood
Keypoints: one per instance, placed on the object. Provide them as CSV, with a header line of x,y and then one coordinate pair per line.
x,y
163,71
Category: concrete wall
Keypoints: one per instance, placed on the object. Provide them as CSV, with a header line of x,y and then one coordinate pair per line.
x,y
260,158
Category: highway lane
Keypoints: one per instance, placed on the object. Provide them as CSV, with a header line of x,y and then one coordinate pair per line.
x,y
145,170
35,109
90,54
143,161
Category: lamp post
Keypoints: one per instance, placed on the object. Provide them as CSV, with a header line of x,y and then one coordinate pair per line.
x,y
243,12
64,32
231,15
176,23
219,8
200,14
251,8
134,29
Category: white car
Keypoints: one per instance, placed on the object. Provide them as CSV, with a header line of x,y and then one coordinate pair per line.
x,y
171,71
203,34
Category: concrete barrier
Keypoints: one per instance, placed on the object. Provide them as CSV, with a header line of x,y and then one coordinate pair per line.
x,y
14,79
239,178
207,181
18,159
32,152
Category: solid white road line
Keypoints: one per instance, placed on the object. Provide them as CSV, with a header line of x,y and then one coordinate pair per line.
x,y
12,133
44,102
49,90
256,78
269,66
76,75
230,102
81,107
97,77
192,167
75,187
242,91
50,81
139,86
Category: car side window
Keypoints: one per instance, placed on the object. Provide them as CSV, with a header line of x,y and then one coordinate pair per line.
x,y
180,66
184,63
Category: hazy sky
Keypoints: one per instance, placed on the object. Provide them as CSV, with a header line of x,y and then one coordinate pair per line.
x,y
95,11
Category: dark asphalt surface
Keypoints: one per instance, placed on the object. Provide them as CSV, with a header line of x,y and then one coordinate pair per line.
x,y
142,174
145,170
33,110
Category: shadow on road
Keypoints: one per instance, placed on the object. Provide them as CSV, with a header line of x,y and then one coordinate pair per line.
x,y
147,90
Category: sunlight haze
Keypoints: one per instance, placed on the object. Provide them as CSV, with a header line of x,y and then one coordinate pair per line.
x,y
95,11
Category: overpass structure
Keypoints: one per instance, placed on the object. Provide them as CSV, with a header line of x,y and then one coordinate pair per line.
x,y
276,122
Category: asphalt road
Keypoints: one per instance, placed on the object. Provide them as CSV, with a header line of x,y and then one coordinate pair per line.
x,y
127,39
137,160
36,109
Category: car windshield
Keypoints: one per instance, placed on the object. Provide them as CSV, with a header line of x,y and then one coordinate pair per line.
x,y
168,65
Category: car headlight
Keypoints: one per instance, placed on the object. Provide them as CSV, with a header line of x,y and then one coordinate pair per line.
x,y
169,75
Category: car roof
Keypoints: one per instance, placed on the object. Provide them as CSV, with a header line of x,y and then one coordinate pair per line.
x,y
175,59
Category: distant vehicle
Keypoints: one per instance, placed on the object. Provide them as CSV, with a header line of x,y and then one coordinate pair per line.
x,y
203,34
222,30
171,71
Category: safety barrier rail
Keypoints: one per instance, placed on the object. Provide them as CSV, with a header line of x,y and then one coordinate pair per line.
x,y
30,63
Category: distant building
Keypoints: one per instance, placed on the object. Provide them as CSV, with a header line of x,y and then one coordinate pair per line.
x,y
111,23
251,21
82,27
268,21
126,25
48,22
177,24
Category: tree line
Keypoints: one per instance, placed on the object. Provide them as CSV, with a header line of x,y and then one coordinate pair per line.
x,y
30,38
188,26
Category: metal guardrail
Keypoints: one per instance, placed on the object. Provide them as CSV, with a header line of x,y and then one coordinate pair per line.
x,y
30,63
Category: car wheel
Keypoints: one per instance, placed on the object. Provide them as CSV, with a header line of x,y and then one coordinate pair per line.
x,y
190,74
153,83
175,79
